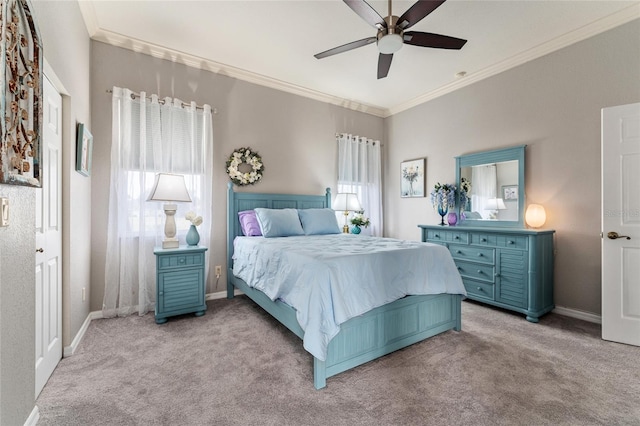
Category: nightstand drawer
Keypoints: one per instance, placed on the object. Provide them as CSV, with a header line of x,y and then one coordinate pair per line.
x,y
479,289
476,271
180,260
475,254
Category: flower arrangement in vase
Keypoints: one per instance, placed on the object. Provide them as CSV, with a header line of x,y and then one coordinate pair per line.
x,y
359,220
443,196
193,238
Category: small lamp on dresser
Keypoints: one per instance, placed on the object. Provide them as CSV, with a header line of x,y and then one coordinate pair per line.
x,y
170,188
347,202
535,216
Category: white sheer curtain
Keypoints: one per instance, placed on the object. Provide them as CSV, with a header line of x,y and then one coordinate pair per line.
x,y
360,171
484,182
151,136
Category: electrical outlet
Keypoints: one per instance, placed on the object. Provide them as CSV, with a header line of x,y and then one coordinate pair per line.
x,y
218,271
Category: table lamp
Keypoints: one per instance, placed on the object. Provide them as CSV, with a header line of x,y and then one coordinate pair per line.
x,y
347,202
170,188
494,204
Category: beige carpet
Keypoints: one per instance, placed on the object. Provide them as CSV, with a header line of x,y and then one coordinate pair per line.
x,y
236,365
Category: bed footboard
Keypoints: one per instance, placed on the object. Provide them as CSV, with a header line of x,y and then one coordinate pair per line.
x,y
387,329
369,336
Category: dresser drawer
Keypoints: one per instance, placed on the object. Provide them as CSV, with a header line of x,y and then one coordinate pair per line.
x,y
448,236
476,271
476,254
479,289
180,260
495,240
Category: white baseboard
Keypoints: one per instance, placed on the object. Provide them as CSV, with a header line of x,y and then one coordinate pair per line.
x,y
574,313
33,418
69,350
221,294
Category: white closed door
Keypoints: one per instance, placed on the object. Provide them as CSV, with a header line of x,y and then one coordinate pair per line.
x,y
621,224
49,241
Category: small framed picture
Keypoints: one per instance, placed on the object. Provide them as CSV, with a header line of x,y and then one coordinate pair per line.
x,y
510,192
84,149
412,175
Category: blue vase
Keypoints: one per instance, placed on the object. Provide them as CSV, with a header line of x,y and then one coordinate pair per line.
x,y
442,211
356,229
193,238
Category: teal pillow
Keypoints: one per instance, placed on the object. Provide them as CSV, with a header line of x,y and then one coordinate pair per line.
x,y
279,222
319,221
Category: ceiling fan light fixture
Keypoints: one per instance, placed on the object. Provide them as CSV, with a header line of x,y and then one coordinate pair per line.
x,y
390,43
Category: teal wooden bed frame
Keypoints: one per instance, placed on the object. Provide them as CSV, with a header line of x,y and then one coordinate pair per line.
x,y
361,339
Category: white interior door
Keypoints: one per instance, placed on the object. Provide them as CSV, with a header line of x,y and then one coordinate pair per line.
x,y
621,224
49,241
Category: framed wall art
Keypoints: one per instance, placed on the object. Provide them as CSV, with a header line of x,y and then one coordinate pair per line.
x,y
412,175
21,101
84,149
510,192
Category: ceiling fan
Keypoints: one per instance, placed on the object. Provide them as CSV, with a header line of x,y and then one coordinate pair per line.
x,y
392,32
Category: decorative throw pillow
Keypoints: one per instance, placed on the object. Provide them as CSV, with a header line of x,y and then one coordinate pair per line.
x,y
279,222
319,221
249,223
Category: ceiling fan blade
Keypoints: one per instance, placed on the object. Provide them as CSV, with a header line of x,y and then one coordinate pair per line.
x,y
346,47
366,12
437,41
417,12
384,63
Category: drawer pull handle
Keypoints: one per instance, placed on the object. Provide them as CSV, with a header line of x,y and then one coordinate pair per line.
x,y
484,240
458,252
479,271
436,236
509,242
479,254
480,289
456,237
496,275
181,261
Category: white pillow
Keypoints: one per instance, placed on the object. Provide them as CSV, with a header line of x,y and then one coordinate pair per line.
x,y
319,221
279,222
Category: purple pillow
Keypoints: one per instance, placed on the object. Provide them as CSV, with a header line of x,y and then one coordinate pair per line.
x,y
249,223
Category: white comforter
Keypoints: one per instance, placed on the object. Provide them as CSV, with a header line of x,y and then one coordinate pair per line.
x,y
329,279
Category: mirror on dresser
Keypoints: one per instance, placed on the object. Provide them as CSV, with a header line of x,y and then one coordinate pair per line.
x,y
497,196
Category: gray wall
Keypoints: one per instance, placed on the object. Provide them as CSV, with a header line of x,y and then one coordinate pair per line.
x,y
552,105
294,135
66,49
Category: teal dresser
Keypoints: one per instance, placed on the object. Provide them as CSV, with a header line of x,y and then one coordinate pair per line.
x,y
509,268
180,282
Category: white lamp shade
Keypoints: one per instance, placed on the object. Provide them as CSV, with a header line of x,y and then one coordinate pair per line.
x,y
495,204
169,187
535,216
346,201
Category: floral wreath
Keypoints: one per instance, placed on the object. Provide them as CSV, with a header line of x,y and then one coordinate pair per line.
x,y
250,158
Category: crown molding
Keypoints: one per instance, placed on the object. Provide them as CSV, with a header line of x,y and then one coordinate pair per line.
x,y
609,22
96,33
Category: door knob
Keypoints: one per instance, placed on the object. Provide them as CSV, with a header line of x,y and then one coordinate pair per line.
x,y
40,250
614,236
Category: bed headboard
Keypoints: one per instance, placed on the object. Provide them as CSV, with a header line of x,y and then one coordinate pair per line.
x,y
239,201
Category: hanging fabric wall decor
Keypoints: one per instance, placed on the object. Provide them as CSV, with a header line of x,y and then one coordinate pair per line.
x,y
21,96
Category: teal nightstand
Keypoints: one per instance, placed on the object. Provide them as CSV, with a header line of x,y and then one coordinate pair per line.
x,y
180,287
